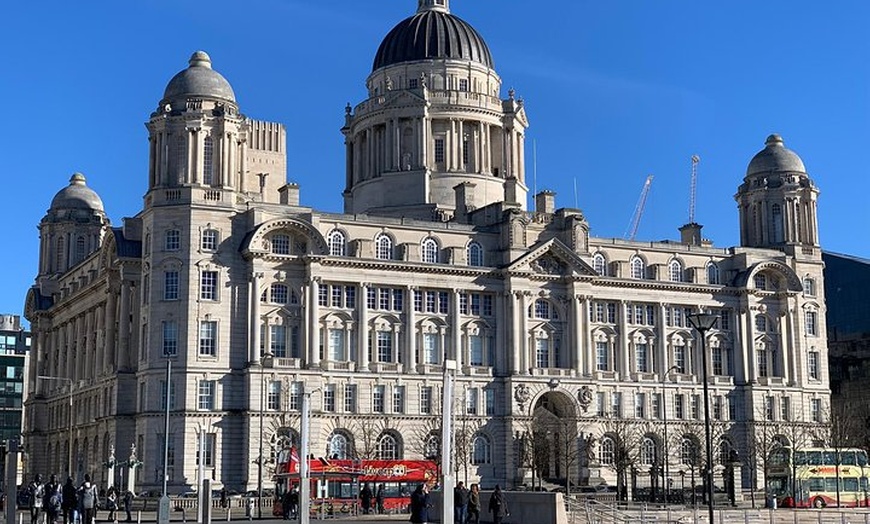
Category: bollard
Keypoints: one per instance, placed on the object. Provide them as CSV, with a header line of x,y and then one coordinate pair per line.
x,y
745,517
138,517
229,513
820,517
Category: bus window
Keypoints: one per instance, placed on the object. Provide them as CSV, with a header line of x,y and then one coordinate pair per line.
x,y
831,485
862,458
865,485
828,458
847,458
814,458
816,484
850,484
800,458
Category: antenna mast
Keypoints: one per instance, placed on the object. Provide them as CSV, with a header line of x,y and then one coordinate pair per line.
x,y
638,210
693,189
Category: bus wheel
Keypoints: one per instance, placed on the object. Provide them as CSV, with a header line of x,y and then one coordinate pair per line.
x,y
818,503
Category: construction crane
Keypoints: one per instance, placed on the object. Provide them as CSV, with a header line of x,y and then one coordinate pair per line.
x,y
693,190
638,210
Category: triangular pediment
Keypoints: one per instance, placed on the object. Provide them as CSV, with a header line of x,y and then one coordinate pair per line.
x,y
403,98
552,259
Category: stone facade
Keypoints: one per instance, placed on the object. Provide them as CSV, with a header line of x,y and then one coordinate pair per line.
x,y
256,299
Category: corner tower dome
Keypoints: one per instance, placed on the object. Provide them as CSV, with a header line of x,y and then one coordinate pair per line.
x,y
77,195
432,33
775,158
199,80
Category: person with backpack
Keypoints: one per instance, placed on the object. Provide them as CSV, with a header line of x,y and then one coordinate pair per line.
x,y
35,496
69,501
52,500
88,501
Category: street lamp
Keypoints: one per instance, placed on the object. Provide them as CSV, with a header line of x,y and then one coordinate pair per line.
x,y
263,359
703,322
69,417
665,429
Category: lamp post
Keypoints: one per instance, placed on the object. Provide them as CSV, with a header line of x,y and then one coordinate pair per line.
x,y
263,359
69,417
703,322
665,431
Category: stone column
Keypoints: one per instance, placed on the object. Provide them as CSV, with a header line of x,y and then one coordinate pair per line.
x,y
363,336
124,337
313,323
502,336
667,357
410,331
523,342
623,344
254,317
456,330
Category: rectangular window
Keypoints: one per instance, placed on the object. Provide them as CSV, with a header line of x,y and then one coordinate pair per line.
x,y
443,302
350,398
732,408
173,240
430,302
336,292
679,406
208,338
475,345
426,400
716,358
813,364
640,405
600,404
439,150
463,84
761,359
295,401
542,351
329,398
206,395
601,356
278,340
811,318
323,295
398,399
769,408
413,83
418,301
371,298
680,357
696,407
170,285
431,348
651,315
641,358
611,313
170,338
378,399
816,409
273,395
385,346
208,447
656,405
163,395
209,240
349,297
336,345
398,300
489,401
384,299
465,151
724,320
208,285
471,401
717,407
785,409
616,404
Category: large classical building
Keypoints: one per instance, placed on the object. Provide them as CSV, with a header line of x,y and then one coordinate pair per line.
x,y
569,347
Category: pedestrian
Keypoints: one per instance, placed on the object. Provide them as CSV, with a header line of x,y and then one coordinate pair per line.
x,y
88,501
498,505
68,501
52,500
460,503
366,497
128,505
224,497
285,505
474,504
35,496
294,502
112,502
420,505
380,499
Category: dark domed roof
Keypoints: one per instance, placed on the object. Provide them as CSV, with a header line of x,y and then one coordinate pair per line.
x,y
776,158
77,195
199,81
429,34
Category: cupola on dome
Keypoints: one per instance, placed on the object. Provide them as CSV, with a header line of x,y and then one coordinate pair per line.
x,y
199,80
77,195
432,33
775,158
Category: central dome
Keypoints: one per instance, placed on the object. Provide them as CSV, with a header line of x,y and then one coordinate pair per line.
x,y
199,80
432,34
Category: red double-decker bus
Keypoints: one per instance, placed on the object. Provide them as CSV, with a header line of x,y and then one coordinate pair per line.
x,y
336,484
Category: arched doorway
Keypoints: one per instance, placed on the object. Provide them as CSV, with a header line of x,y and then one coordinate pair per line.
x,y
555,439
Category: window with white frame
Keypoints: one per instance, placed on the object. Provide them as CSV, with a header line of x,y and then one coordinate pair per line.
x,y
689,452
398,399
208,338
173,240
337,242
384,341
170,285
713,275
809,287
616,404
680,355
206,391
478,353
378,401
717,407
638,267
785,409
208,447
675,271
816,410
599,264
337,447
295,400
648,455
541,309
280,244
602,360
769,408
762,361
607,451
329,398
210,240
432,447
696,407
813,365
761,323
542,351
337,351
208,285
278,340
472,397
760,281
163,395
481,450
717,360
388,447
641,354
811,319
429,251
350,398
170,338
489,401
475,254
679,406
384,247
431,348
601,404
439,150
273,395
208,161
426,400
640,405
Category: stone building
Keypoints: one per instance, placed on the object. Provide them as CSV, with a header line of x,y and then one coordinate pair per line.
x,y
569,346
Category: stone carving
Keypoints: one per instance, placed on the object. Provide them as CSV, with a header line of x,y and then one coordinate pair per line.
x,y
547,265
584,396
522,394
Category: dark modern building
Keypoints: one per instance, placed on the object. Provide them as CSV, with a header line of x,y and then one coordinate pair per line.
x,y
14,346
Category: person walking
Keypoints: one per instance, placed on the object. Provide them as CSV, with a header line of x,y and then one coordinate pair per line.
x,y
460,503
128,505
294,503
420,505
69,501
88,501
498,505
474,504
380,498
112,502
36,496
366,497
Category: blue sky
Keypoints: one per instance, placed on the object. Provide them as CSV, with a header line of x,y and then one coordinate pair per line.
x,y
614,90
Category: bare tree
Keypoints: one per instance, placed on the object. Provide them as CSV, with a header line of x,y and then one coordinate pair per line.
x,y
367,431
626,436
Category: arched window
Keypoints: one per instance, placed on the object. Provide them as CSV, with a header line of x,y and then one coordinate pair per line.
x,y
429,251
384,247
809,287
475,254
337,447
80,249
388,448
675,271
608,451
724,455
713,274
638,267
279,293
599,264
481,450
688,452
281,244
648,455
542,310
337,243
432,449
761,323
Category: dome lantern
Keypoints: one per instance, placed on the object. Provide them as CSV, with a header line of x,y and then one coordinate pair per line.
x,y
199,80
433,5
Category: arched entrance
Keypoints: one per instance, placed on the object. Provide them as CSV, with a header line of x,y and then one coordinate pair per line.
x,y
555,439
